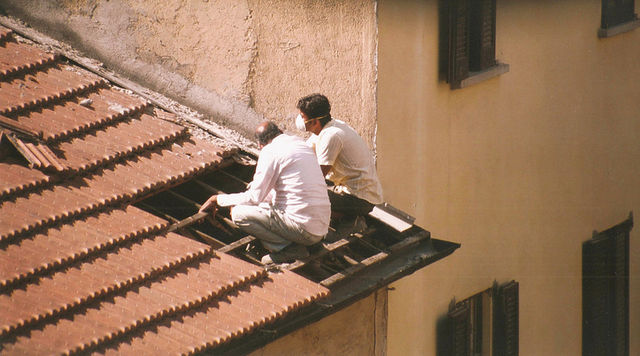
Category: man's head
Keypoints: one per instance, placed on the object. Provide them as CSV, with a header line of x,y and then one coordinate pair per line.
x,y
315,111
266,132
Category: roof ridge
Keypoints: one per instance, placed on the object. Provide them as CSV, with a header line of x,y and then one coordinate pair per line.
x,y
166,258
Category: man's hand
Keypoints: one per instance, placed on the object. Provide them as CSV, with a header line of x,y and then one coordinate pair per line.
x,y
210,205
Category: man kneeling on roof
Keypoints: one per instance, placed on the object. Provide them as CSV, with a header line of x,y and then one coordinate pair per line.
x,y
286,206
344,158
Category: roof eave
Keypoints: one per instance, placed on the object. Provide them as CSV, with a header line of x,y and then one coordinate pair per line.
x,y
347,292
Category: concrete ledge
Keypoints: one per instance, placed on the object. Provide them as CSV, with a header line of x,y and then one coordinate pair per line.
x,y
477,77
615,30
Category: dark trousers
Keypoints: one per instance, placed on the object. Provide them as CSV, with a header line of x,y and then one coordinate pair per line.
x,y
347,204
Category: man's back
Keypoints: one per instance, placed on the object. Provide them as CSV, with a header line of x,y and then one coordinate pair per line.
x,y
299,186
340,146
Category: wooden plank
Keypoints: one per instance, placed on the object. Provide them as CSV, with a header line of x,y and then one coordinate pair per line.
x,y
326,249
409,241
243,241
188,221
355,268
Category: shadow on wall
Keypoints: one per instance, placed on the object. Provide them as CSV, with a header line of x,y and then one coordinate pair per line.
x,y
443,345
232,114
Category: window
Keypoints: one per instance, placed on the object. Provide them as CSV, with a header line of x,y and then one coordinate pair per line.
x,y
617,16
605,292
470,33
485,324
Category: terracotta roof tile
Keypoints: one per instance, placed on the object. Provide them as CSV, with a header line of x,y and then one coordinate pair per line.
x,y
125,266
143,305
240,312
81,269
66,118
15,177
44,88
156,168
121,139
16,57
61,246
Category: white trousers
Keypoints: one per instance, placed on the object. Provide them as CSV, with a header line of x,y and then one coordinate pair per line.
x,y
271,226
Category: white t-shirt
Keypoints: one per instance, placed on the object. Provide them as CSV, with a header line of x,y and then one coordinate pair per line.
x,y
288,169
353,168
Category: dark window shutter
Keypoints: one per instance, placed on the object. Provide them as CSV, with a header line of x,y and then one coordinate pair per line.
x,y
460,329
476,324
595,298
616,12
605,292
506,320
458,42
482,51
621,292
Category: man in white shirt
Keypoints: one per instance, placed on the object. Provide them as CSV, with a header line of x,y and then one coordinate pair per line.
x,y
286,206
344,157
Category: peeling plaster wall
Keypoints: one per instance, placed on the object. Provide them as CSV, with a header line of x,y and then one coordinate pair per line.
x,y
238,62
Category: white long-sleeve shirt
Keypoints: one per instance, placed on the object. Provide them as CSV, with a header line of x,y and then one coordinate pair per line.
x,y
288,167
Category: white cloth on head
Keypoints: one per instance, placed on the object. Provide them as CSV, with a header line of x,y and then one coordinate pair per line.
x,y
353,167
288,167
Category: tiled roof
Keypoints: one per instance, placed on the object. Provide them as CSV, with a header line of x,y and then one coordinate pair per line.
x,y
81,268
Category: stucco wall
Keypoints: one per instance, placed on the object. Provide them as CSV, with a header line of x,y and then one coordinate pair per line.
x,y
352,331
238,62
520,169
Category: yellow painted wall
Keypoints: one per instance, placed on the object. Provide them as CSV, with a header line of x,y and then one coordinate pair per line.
x,y
520,169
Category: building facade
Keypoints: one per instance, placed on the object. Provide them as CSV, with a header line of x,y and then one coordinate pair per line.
x,y
519,165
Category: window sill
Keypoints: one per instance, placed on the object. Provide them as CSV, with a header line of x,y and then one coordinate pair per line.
x,y
615,30
477,77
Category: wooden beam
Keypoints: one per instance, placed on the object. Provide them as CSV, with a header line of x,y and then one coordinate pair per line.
x,y
206,186
355,268
409,241
243,241
234,177
208,238
188,221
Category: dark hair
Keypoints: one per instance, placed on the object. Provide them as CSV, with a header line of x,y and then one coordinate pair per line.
x,y
315,106
270,131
